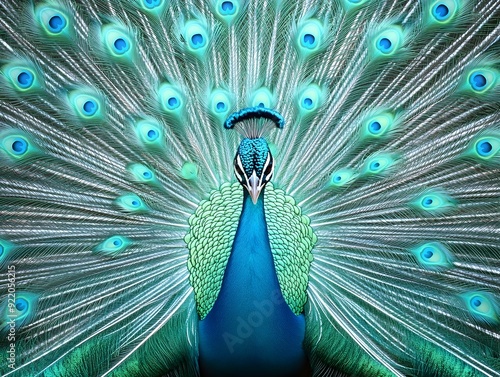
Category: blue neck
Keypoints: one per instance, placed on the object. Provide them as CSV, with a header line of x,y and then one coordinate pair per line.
x,y
251,330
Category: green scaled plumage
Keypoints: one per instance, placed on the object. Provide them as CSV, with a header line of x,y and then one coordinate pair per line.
x,y
119,204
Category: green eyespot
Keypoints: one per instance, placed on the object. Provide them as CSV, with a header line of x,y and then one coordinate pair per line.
x,y
482,306
262,97
342,177
131,203
54,21
112,246
117,42
309,37
433,256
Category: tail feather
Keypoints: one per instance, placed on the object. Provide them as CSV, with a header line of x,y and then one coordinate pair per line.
x,y
111,136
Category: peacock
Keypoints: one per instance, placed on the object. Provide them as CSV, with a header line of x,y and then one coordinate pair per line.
x,y
249,188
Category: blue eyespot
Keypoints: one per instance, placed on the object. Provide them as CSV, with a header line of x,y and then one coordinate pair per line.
x,y
374,127
374,165
134,203
197,40
173,103
384,45
21,304
476,301
1,250
308,40
147,174
112,246
478,81
90,107
19,146
221,107
152,135
121,46
427,202
307,103
441,12
484,148
309,37
342,177
25,79
57,24
427,253
227,8
150,4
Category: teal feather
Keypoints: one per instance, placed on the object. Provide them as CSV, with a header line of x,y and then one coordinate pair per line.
x,y
140,237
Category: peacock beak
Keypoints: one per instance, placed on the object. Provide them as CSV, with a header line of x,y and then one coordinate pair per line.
x,y
254,187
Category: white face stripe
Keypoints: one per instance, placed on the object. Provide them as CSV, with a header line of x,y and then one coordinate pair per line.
x,y
262,179
240,165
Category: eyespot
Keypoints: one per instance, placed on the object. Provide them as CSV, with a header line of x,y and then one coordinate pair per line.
x,y
21,304
384,45
149,133
131,203
219,104
381,163
310,99
388,41
117,42
112,246
374,127
54,22
227,10
57,23
443,11
262,97
172,100
25,79
17,145
433,256
151,4
309,38
86,106
6,249
434,202
196,35
22,76
141,173
484,147
487,147
343,177
482,306
378,126
21,310
90,107
189,171
482,80
227,7
477,81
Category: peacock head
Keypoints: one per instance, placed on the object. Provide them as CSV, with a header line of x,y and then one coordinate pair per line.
x,y
253,165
